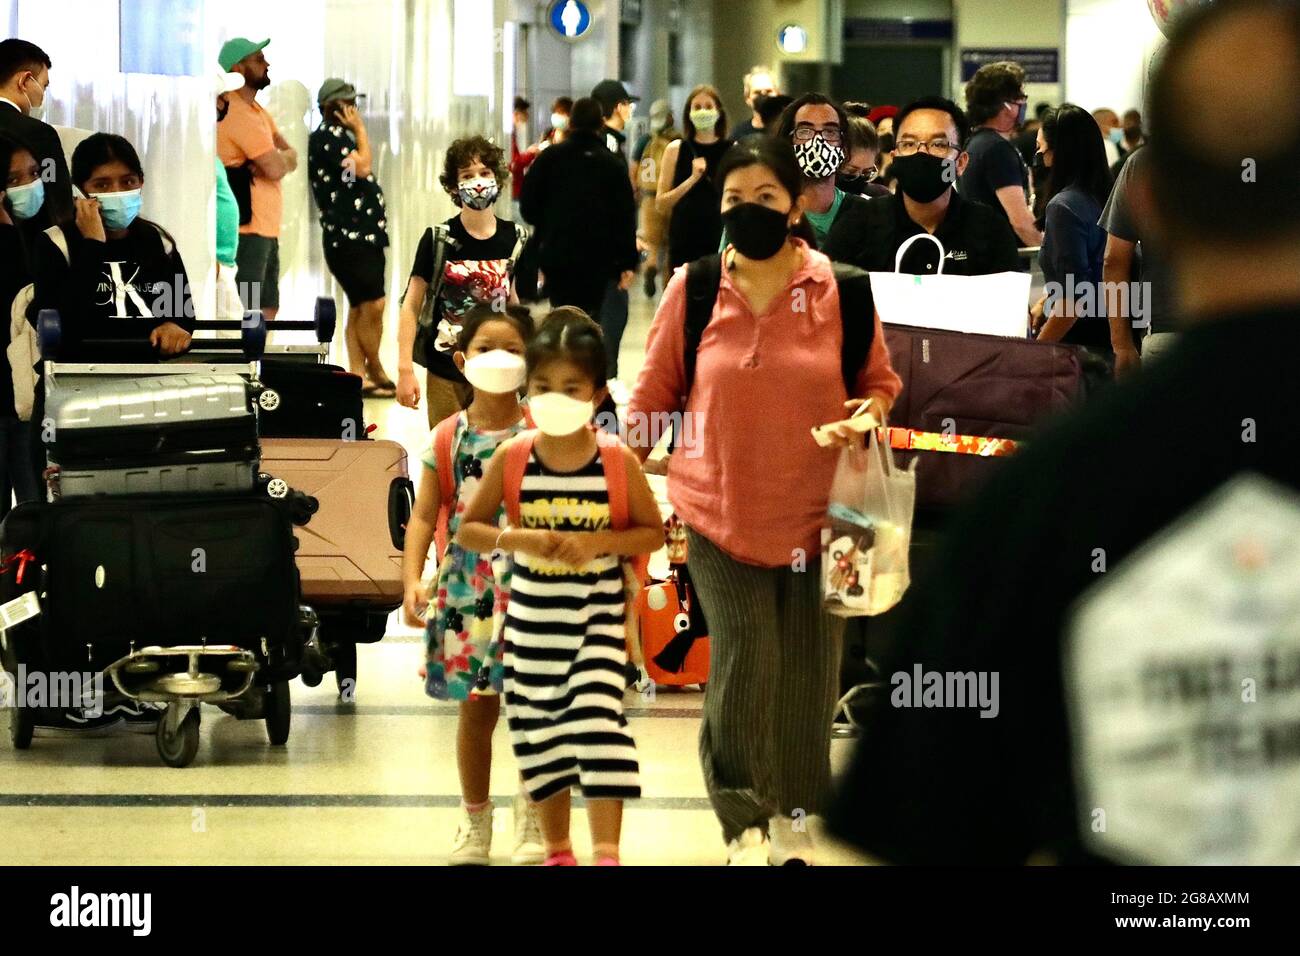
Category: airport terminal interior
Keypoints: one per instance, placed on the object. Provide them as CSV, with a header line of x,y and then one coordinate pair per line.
x,y
773,535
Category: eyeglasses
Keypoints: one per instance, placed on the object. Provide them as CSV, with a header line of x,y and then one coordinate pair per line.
x,y
935,147
848,172
832,134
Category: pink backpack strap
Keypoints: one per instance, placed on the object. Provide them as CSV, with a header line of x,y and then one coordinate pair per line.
x,y
614,463
611,460
521,447
444,437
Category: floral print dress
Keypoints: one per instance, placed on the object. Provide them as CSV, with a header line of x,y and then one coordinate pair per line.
x,y
462,649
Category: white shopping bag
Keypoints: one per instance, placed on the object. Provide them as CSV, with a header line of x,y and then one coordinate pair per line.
x,y
868,531
995,304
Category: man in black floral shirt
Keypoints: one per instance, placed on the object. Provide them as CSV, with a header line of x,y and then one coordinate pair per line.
x,y
354,225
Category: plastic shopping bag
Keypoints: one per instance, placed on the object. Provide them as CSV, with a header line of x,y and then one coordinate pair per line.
x,y
868,531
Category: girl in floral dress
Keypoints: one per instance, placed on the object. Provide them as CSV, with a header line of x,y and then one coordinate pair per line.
x,y
463,660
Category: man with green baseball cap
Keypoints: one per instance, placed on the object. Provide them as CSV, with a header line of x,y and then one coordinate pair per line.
x,y
256,158
235,50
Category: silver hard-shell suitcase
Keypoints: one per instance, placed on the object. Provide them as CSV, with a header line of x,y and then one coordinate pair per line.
x,y
122,435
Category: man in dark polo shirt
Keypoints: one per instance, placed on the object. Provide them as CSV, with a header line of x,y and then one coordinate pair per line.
x,y
995,174
928,158
1123,593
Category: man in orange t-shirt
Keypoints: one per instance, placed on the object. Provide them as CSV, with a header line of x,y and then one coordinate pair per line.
x,y
249,139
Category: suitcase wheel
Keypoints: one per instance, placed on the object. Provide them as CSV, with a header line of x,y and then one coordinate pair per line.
x,y
178,743
277,488
269,400
21,725
277,709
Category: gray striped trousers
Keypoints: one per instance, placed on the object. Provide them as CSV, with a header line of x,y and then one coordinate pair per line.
x,y
774,671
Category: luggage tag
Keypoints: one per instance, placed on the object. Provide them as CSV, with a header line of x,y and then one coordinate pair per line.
x,y
22,608
860,421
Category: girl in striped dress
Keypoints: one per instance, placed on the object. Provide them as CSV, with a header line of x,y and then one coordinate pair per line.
x,y
564,635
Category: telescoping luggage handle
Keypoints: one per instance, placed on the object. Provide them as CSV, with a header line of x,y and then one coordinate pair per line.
x,y
898,257
253,328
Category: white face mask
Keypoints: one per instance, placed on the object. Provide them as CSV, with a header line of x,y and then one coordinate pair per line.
x,y
496,372
559,121
34,110
557,415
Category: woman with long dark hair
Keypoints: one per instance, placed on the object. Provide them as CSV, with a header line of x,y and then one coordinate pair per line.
x,y
753,492
688,192
111,273
1078,183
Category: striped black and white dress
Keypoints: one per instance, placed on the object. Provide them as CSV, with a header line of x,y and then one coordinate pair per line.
x,y
565,649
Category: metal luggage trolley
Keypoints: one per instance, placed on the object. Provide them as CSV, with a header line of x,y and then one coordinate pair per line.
x,y
184,676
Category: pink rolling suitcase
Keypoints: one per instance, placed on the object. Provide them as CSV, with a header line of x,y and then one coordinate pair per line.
x,y
351,553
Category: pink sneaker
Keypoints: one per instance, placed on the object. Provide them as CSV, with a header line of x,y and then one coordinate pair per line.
x,y
607,861
563,858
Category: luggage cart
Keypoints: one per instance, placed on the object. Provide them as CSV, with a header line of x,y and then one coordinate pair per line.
x,y
180,676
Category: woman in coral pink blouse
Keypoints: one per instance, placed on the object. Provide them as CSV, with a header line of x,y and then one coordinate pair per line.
x,y
752,485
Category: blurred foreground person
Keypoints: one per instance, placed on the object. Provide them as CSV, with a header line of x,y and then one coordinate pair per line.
x,y
1095,665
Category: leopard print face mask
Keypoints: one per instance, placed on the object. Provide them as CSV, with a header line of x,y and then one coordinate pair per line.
x,y
817,158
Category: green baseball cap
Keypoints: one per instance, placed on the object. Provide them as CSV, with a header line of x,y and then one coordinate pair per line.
x,y
235,50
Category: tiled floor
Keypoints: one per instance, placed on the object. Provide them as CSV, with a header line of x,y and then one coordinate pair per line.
x,y
370,782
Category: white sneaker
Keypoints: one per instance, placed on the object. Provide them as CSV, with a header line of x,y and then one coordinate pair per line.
x,y
618,392
529,850
748,849
790,846
473,843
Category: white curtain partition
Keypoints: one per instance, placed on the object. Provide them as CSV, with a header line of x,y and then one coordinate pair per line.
x,y
1110,44
399,53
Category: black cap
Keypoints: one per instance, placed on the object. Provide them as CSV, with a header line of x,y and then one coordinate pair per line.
x,y
609,93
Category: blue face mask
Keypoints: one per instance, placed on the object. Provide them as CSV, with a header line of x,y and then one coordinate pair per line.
x,y
27,200
118,209
1117,136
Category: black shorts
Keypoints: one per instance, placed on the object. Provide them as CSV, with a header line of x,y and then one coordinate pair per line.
x,y
359,268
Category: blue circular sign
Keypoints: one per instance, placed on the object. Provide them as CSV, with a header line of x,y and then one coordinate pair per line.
x,y
570,19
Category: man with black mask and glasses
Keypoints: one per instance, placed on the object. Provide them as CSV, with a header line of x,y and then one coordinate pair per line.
x,y
928,159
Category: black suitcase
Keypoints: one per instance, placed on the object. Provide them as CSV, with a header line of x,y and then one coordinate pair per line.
x,y
315,401
154,571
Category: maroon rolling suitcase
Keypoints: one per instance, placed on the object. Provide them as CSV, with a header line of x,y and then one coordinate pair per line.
x,y
968,399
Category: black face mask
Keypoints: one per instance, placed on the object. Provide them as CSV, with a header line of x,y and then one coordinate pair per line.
x,y
921,176
756,231
1039,163
854,187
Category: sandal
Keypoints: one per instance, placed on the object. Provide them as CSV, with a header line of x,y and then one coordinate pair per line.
x,y
379,391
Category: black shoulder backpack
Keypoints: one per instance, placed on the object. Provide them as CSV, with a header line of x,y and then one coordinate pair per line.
x,y
857,314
